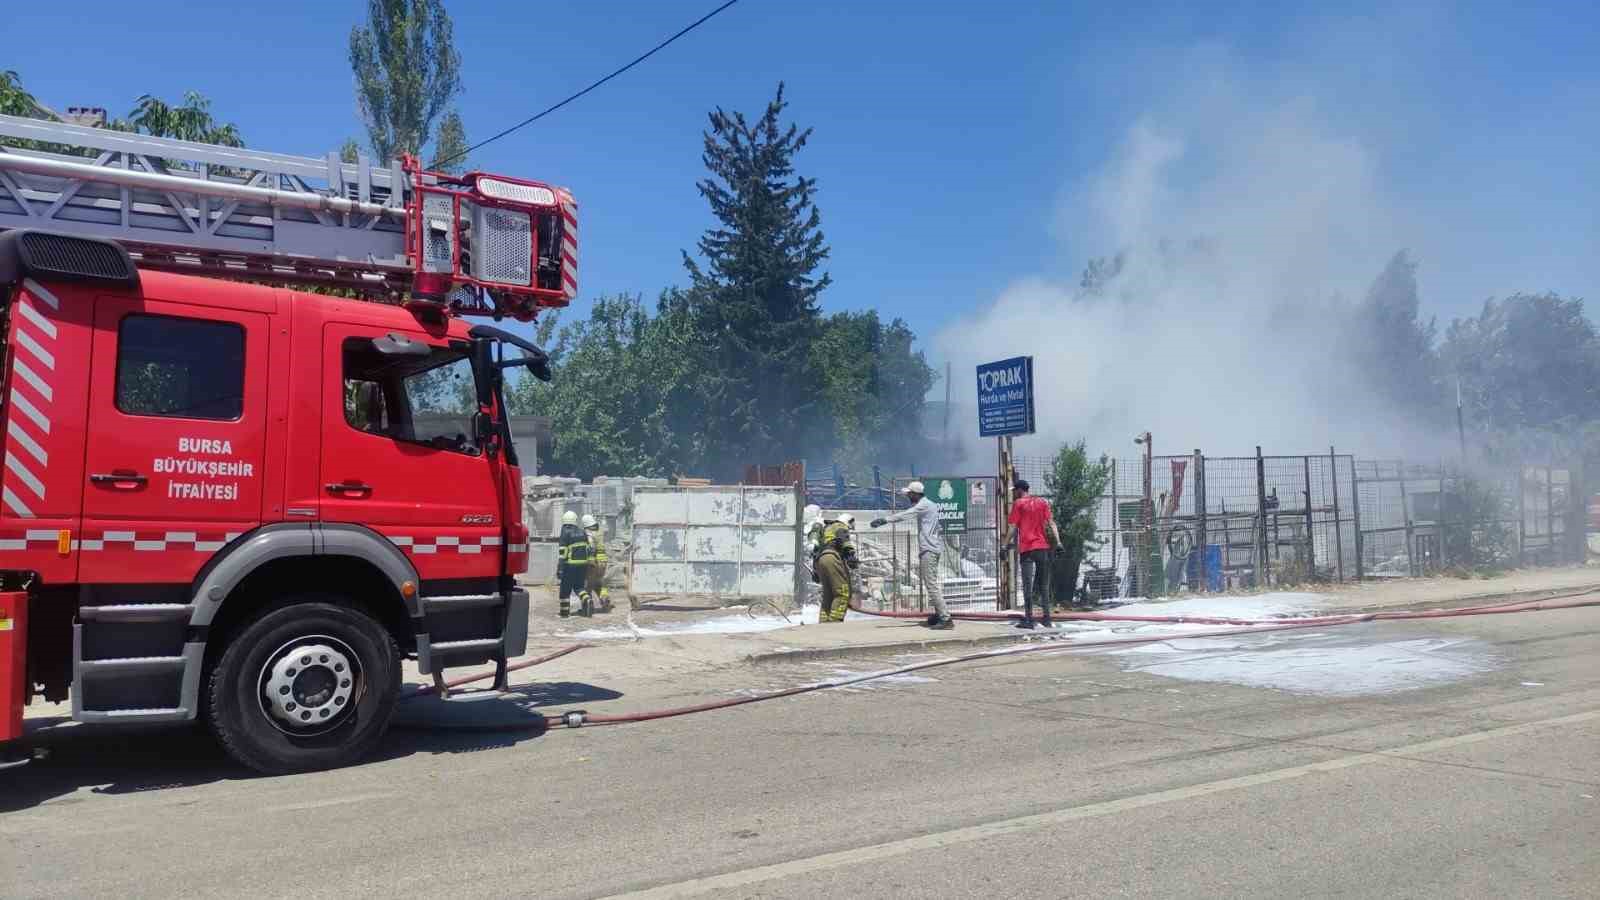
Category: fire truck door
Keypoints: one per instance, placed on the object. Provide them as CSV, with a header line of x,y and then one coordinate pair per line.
x,y
399,452
177,424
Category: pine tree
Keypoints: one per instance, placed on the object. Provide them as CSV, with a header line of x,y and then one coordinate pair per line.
x,y
755,296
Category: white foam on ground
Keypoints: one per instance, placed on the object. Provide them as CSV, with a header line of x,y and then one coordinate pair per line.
x,y
1224,606
1315,663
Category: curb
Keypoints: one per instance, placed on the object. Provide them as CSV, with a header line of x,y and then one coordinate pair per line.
x,y
932,645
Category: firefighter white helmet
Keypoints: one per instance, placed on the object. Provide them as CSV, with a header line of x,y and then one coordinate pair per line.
x,y
569,518
914,487
847,520
590,522
812,512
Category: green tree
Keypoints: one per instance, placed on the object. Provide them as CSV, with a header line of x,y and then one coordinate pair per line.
x,y
15,99
450,148
190,120
1393,345
1075,485
622,398
755,297
873,385
407,74
1528,361
349,151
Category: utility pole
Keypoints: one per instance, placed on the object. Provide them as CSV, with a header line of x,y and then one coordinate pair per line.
x,y
1461,425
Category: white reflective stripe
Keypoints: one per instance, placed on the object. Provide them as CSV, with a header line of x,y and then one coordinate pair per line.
x,y
209,546
36,534
37,289
424,548
517,548
33,380
231,536
36,320
16,504
28,443
149,545
12,544
401,541
468,548
447,541
29,410
183,536
32,346
490,542
15,467
88,544
117,536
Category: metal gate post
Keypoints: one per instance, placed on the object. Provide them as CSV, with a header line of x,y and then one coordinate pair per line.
x,y
1261,519
1355,510
1201,539
1338,528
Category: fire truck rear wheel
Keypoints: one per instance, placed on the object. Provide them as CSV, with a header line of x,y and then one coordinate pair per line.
x,y
308,684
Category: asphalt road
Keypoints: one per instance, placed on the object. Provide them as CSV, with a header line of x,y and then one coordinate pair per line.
x,y
1173,772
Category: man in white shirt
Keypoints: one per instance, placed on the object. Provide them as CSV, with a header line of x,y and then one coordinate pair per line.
x,y
930,546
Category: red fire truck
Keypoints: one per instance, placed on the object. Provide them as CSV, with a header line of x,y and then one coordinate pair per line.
x,y
227,500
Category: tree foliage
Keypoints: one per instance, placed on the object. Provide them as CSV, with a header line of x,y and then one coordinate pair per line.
x,y
754,297
1392,344
1075,484
15,99
1530,361
190,120
624,398
407,74
873,382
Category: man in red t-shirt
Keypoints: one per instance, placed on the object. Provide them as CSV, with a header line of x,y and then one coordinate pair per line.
x,y
1030,519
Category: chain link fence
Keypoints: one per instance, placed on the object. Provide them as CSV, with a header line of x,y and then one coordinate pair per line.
x,y
1216,523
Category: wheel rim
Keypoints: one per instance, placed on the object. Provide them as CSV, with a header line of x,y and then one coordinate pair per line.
x,y
310,686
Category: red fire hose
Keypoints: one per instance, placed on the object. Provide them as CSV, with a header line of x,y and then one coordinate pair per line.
x,y
577,719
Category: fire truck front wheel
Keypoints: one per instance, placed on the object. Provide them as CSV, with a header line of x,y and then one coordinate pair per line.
x,y
308,684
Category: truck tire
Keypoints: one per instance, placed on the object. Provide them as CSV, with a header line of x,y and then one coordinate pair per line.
x,y
309,684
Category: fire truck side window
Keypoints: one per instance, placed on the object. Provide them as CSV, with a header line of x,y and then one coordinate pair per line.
x,y
428,400
180,368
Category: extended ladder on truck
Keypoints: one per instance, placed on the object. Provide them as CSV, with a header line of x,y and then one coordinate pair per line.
x,y
476,244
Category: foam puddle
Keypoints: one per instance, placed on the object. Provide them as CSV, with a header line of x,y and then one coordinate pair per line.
x,y
1321,664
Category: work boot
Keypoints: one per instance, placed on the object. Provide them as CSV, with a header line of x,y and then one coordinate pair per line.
x,y
942,624
931,619
1024,622
1046,623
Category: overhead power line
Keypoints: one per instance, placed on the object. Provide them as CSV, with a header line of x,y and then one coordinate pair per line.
x,y
547,111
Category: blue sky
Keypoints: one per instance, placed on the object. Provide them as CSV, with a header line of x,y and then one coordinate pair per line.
x,y
955,143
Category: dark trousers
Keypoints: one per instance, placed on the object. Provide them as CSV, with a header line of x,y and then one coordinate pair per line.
x,y
1036,582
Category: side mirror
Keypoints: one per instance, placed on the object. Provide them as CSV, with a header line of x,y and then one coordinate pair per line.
x,y
483,430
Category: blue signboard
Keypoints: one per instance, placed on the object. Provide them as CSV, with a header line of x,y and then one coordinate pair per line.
x,y
1005,397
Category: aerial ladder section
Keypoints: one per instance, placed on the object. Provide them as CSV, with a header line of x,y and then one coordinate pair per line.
x,y
473,244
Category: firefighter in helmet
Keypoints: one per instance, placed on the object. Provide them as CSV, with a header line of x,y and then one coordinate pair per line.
x,y
833,567
594,588
572,560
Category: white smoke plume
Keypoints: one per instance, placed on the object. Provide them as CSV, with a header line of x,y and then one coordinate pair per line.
x,y
1247,223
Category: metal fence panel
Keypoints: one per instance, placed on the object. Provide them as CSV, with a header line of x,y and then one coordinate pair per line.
x,y
722,543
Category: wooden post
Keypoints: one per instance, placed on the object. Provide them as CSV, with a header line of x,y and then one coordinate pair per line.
x,y
1005,589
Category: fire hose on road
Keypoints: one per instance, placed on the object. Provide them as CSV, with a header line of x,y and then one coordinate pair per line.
x,y
576,718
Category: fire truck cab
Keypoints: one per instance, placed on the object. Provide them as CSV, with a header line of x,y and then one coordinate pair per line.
x,y
244,504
